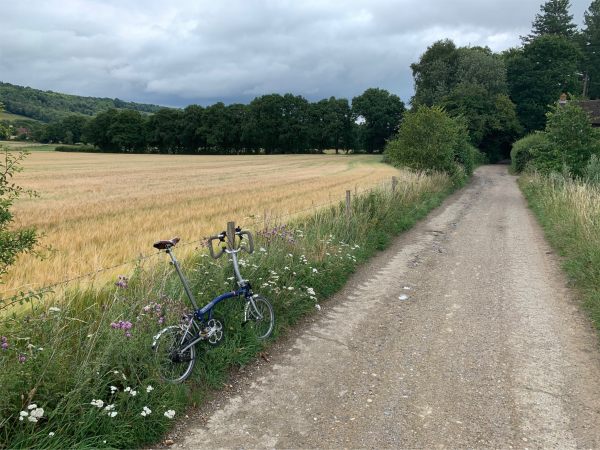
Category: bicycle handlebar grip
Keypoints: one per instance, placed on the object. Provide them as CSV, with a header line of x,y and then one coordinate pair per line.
x,y
211,248
250,248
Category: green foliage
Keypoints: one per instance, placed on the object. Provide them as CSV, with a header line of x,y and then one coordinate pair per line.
x,y
567,143
554,19
469,82
13,242
430,140
435,73
524,149
48,106
591,48
570,132
539,73
62,357
591,173
382,113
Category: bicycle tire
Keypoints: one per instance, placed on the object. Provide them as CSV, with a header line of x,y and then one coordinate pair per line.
x,y
173,365
262,319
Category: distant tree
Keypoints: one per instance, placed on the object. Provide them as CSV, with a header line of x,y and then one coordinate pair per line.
x,y
591,48
4,130
97,131
382,113
73,126
126,131
554,19
435,73
539,73
164,130
192,137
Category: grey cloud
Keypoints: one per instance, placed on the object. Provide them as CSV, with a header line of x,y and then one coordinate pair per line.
x,y
203,51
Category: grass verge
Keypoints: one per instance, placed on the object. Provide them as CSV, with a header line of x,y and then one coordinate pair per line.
x,y
569,212
79,373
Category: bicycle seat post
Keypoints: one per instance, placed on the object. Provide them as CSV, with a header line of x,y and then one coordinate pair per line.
x,y
233,252
186,285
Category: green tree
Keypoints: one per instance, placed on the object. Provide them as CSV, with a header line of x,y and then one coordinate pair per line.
x,y
126,131
13,241
591,48
382,113
435,73
97,131
192,137
539,73
429,139
570,132
553,19
163,130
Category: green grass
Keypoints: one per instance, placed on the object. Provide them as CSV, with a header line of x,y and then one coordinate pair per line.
x,y
63,356
569,212
9,116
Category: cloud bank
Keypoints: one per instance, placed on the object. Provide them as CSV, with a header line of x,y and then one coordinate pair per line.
x,y
197,51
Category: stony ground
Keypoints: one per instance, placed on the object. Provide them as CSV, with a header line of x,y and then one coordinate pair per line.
x,y
462,334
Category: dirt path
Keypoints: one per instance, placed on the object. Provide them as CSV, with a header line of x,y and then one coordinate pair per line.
x,y
489,349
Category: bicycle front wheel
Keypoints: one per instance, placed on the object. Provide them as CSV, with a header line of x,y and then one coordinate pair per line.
x,y
260,316
174,364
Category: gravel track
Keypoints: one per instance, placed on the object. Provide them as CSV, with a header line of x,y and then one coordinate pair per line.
x,y
490,349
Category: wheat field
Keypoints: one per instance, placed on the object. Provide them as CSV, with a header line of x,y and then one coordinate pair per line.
x,y
99,210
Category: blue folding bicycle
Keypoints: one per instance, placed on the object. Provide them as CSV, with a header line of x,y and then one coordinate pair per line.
x,y
175,346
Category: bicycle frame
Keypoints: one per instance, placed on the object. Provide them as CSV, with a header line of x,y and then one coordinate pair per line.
x,y
205,313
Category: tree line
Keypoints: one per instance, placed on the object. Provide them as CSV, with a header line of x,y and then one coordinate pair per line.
x,y
269,124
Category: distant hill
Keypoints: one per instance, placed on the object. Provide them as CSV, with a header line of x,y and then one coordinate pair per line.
x,y
47,106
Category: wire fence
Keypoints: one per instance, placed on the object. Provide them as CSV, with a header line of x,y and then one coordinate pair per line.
x,y
265,221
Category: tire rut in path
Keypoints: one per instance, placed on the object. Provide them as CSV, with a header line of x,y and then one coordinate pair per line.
x,y
489,350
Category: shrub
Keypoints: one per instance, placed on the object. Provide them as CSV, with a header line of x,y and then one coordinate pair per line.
x,y
572,137
78,148
430,140
524,149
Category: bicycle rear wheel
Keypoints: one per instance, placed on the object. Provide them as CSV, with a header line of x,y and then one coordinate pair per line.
x,y
174,364
260,317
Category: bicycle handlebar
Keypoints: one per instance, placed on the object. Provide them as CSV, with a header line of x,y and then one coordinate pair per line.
x,y
226,247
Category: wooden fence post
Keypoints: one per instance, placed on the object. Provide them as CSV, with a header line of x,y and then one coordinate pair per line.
x,y
394,184
348,204
231,234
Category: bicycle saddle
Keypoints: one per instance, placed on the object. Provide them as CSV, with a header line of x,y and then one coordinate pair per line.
x,y
163,245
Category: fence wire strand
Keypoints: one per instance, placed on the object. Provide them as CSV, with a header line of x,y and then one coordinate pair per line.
x,y
21,296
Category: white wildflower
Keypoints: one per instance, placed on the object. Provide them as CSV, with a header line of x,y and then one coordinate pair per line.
x,y
169,414
38,413
149,389
263,250
51,434
133,393
310,291
112,414
22,415
113,389
32,419
109,407
315,270
32,406
290,288
146,411
53,309
318,307
97,403
127,389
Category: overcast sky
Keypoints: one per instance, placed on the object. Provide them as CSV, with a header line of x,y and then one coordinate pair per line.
x,y
198,51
